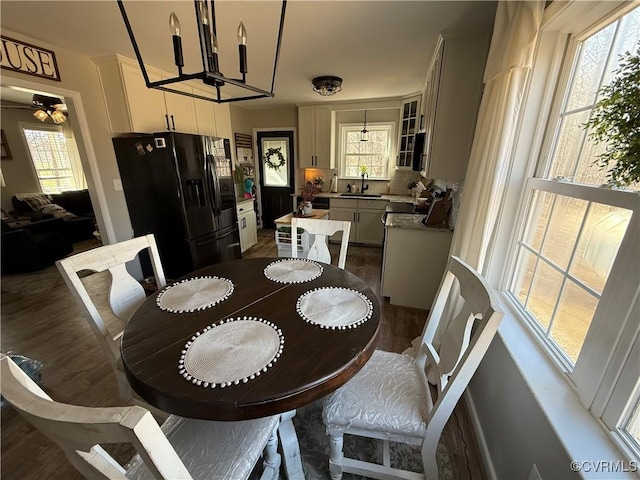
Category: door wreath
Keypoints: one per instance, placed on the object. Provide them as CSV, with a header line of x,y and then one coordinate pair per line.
x,y
269,154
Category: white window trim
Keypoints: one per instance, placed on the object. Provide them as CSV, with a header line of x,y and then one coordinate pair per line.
x,y
392,147
72,150
584,436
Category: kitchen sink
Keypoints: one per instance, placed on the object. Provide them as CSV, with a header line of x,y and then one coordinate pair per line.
x,y
376,195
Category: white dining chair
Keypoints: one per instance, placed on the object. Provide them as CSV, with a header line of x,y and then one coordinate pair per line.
x,y
322,229
107,318
391,397
181,449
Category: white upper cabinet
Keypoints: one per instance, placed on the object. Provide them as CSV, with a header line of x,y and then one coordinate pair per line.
x,y
180,110
133,107
314,136
205,113
143,109
223,121
451,101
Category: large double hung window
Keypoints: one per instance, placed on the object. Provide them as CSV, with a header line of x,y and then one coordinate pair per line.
x,y
576,275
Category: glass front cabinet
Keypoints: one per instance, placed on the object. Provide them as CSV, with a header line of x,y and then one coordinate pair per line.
x,y
409,125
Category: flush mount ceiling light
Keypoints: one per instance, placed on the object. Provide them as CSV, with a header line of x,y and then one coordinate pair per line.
x,y
327,85
210,75
364,133
48,107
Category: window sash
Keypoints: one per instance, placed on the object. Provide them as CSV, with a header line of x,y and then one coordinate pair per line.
x,y
601,322
382,157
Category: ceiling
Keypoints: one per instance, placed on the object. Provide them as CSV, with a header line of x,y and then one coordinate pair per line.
x,y
380,48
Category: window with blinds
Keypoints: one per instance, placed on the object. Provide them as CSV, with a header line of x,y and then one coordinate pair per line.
x,y
55,159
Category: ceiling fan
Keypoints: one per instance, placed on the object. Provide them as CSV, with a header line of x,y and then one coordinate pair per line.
x,y
44,107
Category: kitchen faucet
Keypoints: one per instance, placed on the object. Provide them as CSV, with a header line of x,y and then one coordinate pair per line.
x,y
364,187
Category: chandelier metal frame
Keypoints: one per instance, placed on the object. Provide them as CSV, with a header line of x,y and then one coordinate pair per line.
x,y
210,75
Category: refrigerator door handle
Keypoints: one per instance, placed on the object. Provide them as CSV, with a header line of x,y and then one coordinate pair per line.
x,y
214,172
166,117
210,186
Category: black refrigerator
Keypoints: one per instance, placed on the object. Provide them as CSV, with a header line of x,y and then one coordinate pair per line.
x,y
180,188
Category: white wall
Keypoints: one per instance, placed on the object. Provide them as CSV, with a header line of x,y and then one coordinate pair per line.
x,y
516,431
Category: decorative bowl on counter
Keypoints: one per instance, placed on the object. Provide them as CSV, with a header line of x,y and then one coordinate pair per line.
x,y
422,200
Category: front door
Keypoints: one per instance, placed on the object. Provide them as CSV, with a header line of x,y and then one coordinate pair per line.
x,y
275,151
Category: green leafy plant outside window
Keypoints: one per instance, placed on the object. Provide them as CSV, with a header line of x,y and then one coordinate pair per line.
x,y
615,122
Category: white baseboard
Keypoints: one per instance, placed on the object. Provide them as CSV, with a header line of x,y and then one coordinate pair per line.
x,y
484,449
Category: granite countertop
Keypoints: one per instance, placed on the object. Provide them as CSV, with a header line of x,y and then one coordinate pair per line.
x,y
390,198
410,221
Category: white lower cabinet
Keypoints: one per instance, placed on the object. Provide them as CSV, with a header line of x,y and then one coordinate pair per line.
x,y
364,216
247,225
414,262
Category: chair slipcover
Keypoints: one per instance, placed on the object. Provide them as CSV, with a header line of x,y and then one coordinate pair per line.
x,y
232,452
397,400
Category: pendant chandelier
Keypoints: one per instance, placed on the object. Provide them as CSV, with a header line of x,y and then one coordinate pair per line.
x,y
210,75
364,133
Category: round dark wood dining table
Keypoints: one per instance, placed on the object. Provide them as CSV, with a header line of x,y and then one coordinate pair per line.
x,y
315,361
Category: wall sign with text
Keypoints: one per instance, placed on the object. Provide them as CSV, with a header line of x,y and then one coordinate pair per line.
x,y
23,57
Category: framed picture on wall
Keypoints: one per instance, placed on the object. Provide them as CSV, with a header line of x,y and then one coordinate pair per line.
x,y
4,147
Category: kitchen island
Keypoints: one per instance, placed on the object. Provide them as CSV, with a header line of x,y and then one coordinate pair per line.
x,y
283,233
415,258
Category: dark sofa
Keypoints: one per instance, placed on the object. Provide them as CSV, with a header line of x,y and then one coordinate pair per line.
x,y
34,246
77,202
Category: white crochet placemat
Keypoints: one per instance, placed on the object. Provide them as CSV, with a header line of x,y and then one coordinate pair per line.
x,y
232,351
194,294
334,307
293,270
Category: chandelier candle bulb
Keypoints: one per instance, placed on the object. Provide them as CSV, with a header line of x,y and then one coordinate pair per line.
x,y
214,49
174,25
242,48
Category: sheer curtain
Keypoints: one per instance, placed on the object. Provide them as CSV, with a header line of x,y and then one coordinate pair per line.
x,y
74,158
510,59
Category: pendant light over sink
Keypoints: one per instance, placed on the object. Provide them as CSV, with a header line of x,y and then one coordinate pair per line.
x,y
364,133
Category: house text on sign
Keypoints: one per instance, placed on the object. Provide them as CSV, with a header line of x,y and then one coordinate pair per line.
x,y
23,57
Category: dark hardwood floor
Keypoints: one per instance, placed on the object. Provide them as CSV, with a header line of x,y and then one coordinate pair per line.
x,y
40,320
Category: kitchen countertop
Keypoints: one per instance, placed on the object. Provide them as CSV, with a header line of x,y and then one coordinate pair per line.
x,y
315,213
390,198
410,221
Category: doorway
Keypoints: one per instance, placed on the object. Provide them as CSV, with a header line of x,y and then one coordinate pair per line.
x,y
77,120
276,166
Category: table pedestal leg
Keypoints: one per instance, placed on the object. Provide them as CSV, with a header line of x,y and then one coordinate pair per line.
x,y
290,447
